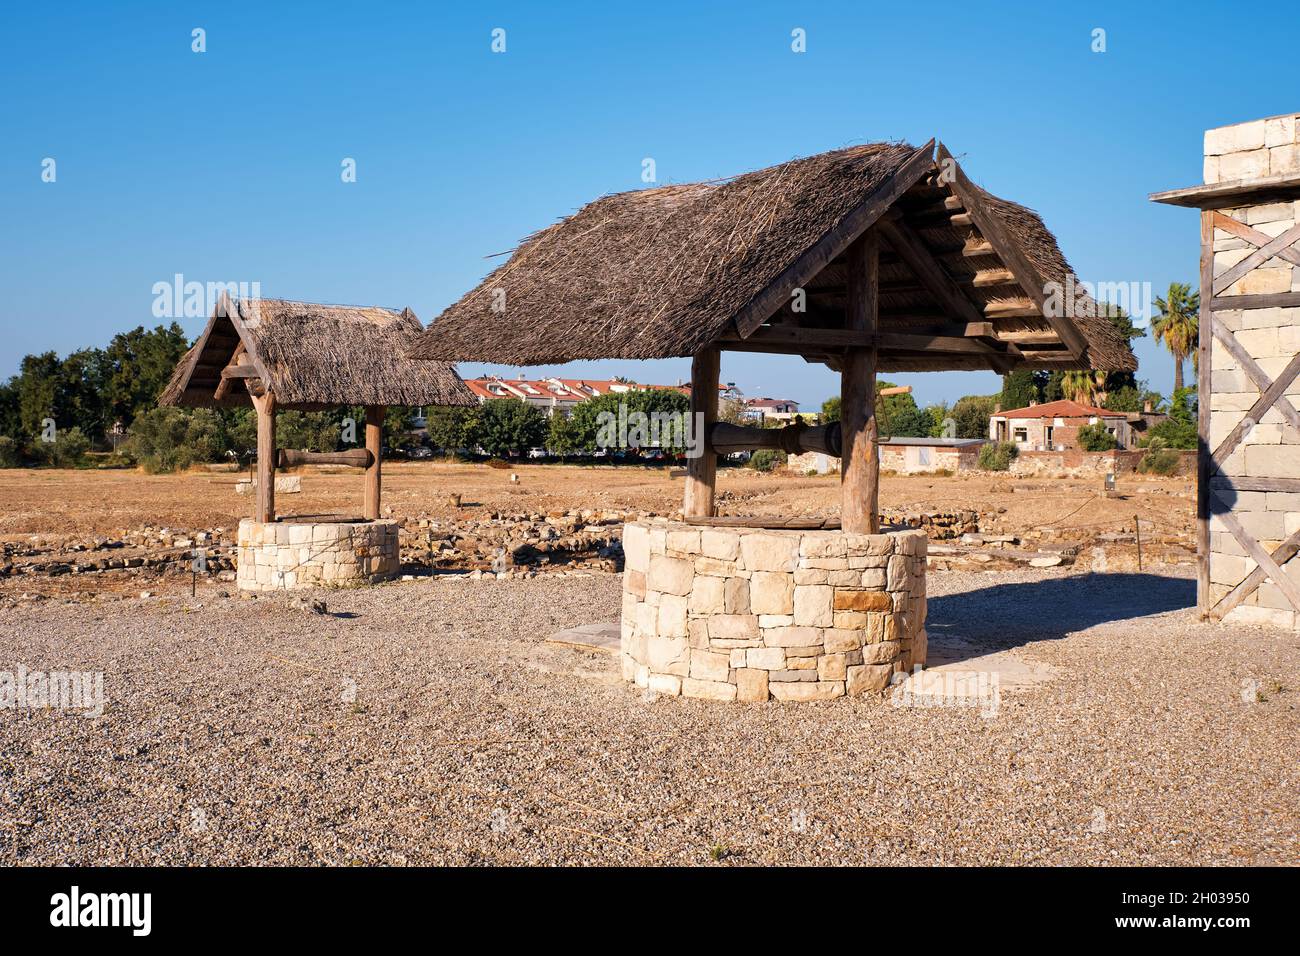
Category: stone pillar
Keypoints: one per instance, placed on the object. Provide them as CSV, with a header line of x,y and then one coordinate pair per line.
x,y
1249,528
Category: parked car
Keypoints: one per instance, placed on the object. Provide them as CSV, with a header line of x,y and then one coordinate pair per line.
x,y
537,453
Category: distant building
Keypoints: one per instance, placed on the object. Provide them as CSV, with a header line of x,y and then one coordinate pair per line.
x,y
1054,426
771,409
905,456
563,394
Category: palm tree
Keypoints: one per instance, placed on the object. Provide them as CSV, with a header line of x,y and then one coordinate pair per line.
x,y
1177,325
1081,386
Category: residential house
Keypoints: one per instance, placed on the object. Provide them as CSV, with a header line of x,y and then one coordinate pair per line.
x,y
1054,426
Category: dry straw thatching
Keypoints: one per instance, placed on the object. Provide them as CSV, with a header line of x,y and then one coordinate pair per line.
x,y
661,272
315,356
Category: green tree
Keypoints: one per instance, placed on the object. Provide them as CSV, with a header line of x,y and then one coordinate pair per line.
x,y
1177,325
66,451
509,427
138,364
1095,437
1019,389
672,406
831,410
167,439
563,437
971,414
1179,429
453,429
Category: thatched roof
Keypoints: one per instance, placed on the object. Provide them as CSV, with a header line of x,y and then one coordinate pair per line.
x,y
662,272
313,356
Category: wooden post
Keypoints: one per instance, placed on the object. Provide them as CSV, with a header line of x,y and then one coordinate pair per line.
x,y
702,471
265,405
1203,463
374,445
860,463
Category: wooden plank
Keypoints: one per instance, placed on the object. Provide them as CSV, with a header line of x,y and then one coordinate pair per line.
x,y
906,341
976,247
1229,483
820,254
1284,553
1008,250
860,471
1260,300
759,521
1262,404
1252,235
1204,466
1238,192
1256,374
1272,570
1257,258
911,249
702,470
1012,309
991,277
265,405
375,446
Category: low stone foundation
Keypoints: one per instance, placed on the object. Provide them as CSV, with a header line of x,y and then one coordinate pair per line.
x,y
283,555
747,614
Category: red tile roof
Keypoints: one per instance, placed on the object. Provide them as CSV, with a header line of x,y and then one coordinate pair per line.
x,y
1059,409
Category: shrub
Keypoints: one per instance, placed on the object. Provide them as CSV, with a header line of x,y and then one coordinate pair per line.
x,y
66,451
9,457
997,456
171,439
1094,437
497,463
1159,460
765,459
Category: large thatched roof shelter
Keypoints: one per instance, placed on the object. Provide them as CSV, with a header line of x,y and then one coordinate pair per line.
x,y
662,272
876,257
277,354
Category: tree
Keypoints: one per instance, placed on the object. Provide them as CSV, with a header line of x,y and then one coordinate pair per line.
x,y
1179,429
1177,326
66,450
1019,389
669,407
971,415
1079,386
508,426
166,439
1095,437
831,410
563,436
138,364
453,429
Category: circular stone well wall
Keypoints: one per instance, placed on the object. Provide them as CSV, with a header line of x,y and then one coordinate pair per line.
x,y
751,614
284,555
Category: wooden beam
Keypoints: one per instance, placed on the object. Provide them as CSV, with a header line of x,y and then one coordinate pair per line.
x,y
1284,553
912,250
1009,251
1274,247
1012,309
990,277
1256,413
702,469
1256,374
265,405
860,470
1262,300
1204,466
375,446
1256,238
976,247
353,457
819,255
1285,583
1229,483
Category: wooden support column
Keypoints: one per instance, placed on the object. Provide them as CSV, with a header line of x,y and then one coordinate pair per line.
x,y
860,464
1204,464
265,405
374,445
702,471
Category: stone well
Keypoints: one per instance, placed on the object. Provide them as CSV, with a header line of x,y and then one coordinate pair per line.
x,y
282,555
752,614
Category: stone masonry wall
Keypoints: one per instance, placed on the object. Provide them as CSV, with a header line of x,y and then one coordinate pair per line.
x,y
1272,337
285,555
736,614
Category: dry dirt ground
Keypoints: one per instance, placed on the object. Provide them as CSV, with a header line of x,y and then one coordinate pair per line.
x,y
429,721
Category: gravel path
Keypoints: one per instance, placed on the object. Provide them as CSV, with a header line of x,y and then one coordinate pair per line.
x,y
428,722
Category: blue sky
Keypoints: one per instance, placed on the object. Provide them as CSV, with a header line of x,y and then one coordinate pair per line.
x,y
225,165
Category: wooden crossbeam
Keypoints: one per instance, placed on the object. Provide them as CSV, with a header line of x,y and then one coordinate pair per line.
x,y
1252,235
1265,401
1257,258
1259,300
1229,483
1266,562
1255,373
1284,553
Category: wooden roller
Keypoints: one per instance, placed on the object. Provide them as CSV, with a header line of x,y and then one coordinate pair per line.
x,y
794,439
356,457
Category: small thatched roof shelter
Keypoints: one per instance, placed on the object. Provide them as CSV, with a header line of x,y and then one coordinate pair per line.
x,y
274,354
964,279
313,356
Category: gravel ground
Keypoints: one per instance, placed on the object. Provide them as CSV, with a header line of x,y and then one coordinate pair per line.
x,y
427,722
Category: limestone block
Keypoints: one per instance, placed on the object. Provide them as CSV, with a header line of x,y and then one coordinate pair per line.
x,y
707,596
736,657
812,605
708,689
697,632
1283,160
668,655
751,686
735,596
1279,131
813,575
771,593
715,568
636,547
769,552
840,639
665,684
1235,139
868,678
634,583
825,544
1273,617
851,620
804,692
857,600
642,678
765,658
733,627
684,541
897,577
793,636
831,667
790,675
670,575
775,620
710,666
1250,164
672,615
647,618
1272,461
724,545
808,663
1262,281
883,653
825,564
